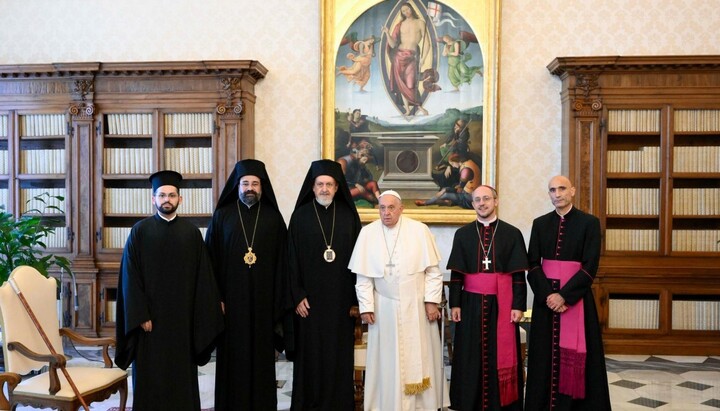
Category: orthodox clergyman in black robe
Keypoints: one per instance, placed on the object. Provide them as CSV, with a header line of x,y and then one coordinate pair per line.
x,y
488,295
322,233
566,362
247,241
168,305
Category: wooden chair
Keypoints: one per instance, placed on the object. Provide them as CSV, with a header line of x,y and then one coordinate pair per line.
x,y
12,380
26,352
359,364
447,320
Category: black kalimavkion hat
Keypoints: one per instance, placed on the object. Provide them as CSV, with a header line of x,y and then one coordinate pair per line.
x,y
165,178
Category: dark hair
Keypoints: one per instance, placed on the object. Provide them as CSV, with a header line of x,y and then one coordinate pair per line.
x,y
412,9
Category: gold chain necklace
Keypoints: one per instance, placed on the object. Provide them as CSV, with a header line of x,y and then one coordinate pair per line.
x,y
250,257
329,254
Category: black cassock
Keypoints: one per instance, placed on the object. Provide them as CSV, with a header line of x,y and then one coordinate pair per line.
x,y
474,380
245,378
166,277
577,239
323,363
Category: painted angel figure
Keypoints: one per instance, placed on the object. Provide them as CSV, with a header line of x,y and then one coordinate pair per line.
x,y
359,71
458,70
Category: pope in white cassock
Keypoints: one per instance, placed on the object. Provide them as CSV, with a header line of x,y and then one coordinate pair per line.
x,y
399,286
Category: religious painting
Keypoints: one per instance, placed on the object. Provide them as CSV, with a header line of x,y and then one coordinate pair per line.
x,y
409,101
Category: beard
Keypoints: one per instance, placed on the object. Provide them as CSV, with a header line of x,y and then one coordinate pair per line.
x,y
324,201
167,208
249,198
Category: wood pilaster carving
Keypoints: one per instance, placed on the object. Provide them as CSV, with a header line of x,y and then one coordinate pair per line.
x,y
587,92
231,87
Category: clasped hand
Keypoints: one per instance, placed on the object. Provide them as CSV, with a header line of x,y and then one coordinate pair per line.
x,y
556,303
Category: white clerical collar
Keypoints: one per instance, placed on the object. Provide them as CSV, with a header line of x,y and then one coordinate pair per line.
x,y
167,219
566,213
487,223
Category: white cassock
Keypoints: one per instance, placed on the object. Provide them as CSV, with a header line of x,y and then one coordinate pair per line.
x,y
397,272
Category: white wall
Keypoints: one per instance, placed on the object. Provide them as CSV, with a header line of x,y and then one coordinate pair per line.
x,y
285,37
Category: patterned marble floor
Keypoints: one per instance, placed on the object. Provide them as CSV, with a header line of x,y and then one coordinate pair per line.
x,y
636,382
664,382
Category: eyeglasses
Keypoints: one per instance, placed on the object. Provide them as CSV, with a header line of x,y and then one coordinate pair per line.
x,y
171,196
482,199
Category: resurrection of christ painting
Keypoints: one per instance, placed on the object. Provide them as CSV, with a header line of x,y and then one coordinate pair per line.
x,y
409,105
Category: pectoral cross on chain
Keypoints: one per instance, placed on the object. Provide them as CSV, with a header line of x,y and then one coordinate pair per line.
x,y
486,262
390,266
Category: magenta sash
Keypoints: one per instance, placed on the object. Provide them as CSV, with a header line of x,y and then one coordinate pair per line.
x,y
572,332
500,285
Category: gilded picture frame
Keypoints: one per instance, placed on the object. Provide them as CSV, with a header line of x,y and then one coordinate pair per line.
x,y
409,101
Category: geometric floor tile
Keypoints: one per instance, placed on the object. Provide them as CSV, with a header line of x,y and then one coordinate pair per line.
x,y
647,402
666,382
694,386
627,384
712,403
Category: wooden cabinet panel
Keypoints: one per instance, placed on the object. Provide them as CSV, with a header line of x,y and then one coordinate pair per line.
x,y
94,132
641,140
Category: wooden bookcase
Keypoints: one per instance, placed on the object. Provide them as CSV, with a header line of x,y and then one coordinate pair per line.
x,y
94,132
641,141
5,166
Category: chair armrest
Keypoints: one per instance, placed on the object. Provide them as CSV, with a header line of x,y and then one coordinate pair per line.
x,y
12,380
104,342
54,361
98,341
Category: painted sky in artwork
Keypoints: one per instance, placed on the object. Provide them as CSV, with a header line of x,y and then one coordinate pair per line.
x,y
374,101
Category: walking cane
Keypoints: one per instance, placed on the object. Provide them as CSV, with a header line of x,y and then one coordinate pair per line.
x,y
45,338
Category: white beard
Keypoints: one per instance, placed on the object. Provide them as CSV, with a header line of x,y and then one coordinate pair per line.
x,y
323,202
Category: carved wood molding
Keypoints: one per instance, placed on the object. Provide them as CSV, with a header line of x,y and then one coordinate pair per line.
x,y
584,77
587,93
93,82
562,66
81,111
251,68
83,87
231,87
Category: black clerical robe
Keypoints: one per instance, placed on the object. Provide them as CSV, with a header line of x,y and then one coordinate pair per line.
x,y
166,277
252,294
323,364
574,237
474,382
